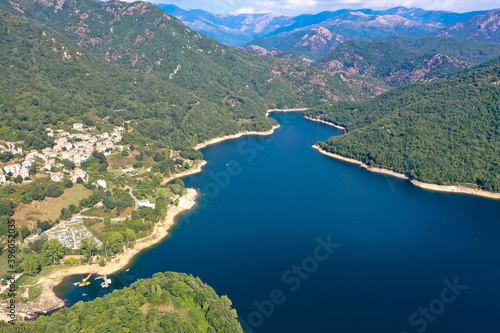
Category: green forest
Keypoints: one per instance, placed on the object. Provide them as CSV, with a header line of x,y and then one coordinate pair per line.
x,y
167,302
444,132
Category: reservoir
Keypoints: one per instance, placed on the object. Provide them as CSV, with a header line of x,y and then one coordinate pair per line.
x,y
301,242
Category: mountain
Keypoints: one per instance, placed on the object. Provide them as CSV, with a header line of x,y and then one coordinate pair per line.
x,y
318,40
432,18
464,50
277,53
167,302
142,37
233,30
317,35
47,80
314,43
239,29
388,62
483,28
444,132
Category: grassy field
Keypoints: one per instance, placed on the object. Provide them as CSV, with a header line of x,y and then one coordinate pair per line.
x,y
50,208
119,161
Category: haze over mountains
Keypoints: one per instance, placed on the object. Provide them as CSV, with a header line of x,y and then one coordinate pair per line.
x,y
315,35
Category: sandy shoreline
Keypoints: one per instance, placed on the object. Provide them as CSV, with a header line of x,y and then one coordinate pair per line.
x,y
234,136
48,300
325,122
306,117
286,110
427,186
198,168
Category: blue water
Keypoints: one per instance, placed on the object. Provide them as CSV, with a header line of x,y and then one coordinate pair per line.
x,y
396,248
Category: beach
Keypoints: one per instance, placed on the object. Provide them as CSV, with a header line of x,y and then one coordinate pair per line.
x,y
325,122
48,300
427,186
233,136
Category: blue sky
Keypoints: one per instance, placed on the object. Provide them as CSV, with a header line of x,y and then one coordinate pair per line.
x,y
295,7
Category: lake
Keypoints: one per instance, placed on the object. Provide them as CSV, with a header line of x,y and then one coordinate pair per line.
x,y
301,242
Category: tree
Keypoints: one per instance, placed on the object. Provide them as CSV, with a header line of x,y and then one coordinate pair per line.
x,y
6,207
68,183
26,198
65,214
125,152
158,157
8,189
30,265
112,242
37,245
18,179
88,247
38,193
45,225
108,202
129,237
52,249
25,232
53,190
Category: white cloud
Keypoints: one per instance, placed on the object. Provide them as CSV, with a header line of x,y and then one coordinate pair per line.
x,y
244,10
296,7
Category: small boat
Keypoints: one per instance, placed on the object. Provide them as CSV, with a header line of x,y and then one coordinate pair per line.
x,y
84,294
84,282
128,269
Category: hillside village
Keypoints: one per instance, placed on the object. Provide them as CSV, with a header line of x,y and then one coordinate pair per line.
x,y
76,147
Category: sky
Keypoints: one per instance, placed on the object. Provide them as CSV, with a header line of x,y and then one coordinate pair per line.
x,y
295,7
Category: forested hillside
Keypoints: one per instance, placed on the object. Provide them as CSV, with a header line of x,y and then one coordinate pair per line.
x,y
142,37
168,302
468,51
388,62
46,80
482,28
443,132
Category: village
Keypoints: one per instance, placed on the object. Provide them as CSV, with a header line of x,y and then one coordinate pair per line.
x,y
76,147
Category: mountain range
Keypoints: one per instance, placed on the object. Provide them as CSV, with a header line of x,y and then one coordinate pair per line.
x,y
315,35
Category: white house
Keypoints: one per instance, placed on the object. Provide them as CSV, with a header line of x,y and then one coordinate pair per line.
x,y
79,173
128,170
78,126
24,172
57,176
2,177
14,168
146,203
101,183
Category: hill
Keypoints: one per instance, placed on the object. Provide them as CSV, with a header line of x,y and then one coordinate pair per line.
x,y
142,37
47,80
444,132
168,302
484,28
233,30
464,50
317,35
388,62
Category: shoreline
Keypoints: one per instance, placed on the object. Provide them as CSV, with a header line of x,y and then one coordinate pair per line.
x,y
426,186
234,136
325,122
286,110
48,300
307,117
198,168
